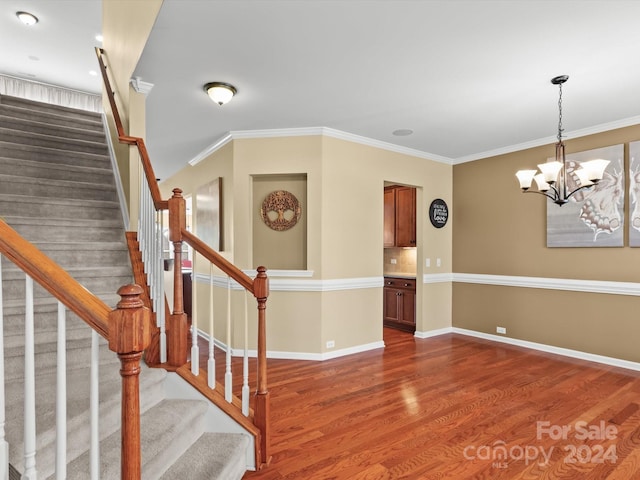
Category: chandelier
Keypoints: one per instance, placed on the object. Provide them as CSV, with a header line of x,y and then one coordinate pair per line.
x,y
554,181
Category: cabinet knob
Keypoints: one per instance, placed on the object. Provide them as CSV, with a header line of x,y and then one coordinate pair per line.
x,y
399,294
388,283
407,284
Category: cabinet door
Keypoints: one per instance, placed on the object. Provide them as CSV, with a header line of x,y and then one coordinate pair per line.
x,y
391,304
408,307
389,217
405,217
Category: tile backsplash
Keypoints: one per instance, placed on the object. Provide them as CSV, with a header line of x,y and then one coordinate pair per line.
x,y
405,260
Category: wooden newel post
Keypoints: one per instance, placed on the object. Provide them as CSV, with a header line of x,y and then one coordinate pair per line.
x,y
129,335
178,329
262,409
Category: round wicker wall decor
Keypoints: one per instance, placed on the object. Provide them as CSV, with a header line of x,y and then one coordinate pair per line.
x,y
280,210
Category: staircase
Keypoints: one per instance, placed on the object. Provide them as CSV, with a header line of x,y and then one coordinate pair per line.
x,y
57,190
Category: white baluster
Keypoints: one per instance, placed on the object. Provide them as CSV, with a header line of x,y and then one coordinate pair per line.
x,y
141,240
211,363
195,355
245,361
4,446
30,472
228,377
94,402
61,396
161,310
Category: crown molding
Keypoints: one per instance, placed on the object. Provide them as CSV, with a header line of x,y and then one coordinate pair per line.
x,y
315,131
140,86
603,127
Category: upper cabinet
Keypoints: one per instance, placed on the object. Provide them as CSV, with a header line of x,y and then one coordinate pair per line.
x,y
399,216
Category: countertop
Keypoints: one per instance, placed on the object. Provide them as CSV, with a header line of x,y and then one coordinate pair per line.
x,y
400,275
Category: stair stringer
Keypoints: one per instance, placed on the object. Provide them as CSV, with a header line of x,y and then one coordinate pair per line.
x,y
216,419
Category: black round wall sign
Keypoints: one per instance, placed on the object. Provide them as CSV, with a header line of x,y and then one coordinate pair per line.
x,y
438,213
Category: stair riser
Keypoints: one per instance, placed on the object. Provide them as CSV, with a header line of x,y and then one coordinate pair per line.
x,y
45,330
37,188
18,137
45,341
45,170
43,210
15,289
78,258
49,108
45,363
76,234
54,156
60,131
89,124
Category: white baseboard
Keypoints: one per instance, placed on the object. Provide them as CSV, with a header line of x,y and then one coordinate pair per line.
x,y
432,333
566,352
238,352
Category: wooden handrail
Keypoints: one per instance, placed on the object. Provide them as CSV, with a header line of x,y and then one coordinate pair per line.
x,y
218,260
54,279
137,141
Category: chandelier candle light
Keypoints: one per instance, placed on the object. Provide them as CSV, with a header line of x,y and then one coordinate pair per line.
x,y
553,180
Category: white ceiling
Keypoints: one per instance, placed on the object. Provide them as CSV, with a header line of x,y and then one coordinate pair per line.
x,y
469,77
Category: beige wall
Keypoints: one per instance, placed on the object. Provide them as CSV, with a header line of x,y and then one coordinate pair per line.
x,y
126,25
500,231
344,213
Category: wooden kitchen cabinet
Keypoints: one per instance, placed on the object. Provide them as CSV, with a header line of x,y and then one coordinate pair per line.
x,y
399,304
399,216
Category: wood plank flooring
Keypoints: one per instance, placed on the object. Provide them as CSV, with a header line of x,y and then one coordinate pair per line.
x,y
451,407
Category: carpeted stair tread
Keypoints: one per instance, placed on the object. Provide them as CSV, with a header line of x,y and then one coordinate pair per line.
x,y
53,129
11,204
43,305
53,155
68,229
214,456
55,171
93,123
49,108
52,141
64,189
167,430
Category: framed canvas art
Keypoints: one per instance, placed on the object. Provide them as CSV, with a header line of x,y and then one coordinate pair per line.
x,y
634,194
208,213
594,216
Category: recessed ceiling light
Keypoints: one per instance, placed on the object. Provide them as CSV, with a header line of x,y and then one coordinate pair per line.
x,y
27,18
99,38
402,132
93,73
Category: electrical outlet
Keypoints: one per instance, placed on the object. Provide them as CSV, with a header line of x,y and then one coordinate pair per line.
x,y
393,261
427,262
331,344
438,262
501,330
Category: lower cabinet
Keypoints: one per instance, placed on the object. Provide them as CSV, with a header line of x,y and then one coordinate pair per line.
x,y
400,303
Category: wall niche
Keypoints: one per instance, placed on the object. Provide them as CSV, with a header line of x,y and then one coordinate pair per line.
x,y
280,244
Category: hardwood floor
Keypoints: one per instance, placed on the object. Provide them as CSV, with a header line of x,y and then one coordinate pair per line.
x,y
451,407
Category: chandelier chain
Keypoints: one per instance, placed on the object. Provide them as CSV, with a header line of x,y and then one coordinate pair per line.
x,y
560,130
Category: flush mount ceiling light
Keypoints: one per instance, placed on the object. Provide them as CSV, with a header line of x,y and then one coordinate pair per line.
x,y
553,181
27,18
220,92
